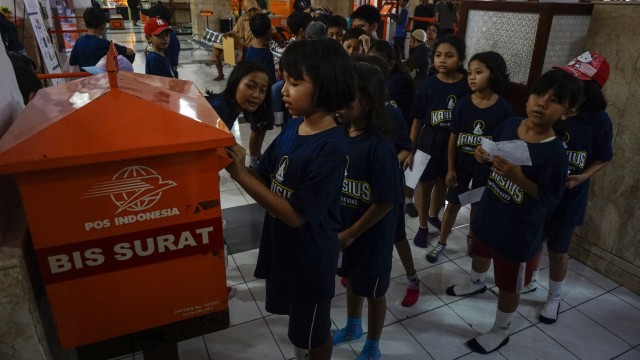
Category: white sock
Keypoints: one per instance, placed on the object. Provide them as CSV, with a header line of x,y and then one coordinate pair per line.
x,y
555,288
534,275
300,354
408,200
498,333
254,160
469,287
413,279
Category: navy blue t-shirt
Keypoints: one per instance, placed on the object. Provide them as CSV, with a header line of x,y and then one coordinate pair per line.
x,y
433,105
371,178
472,123
225,109
264,57
402,138
158,65
509,220
307,170
400,89
587,137
89,49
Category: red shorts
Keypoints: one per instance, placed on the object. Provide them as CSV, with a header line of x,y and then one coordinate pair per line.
x,y
510,275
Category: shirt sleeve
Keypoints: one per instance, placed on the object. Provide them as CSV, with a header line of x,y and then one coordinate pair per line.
x,y
603,150
420,102
552,178
385,179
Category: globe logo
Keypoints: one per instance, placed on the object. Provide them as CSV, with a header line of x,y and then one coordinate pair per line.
x,y
133,188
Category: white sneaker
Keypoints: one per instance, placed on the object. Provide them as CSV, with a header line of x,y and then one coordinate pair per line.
x,y
550,310
530,287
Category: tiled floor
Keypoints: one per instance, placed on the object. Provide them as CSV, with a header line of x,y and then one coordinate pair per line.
x,y
599,319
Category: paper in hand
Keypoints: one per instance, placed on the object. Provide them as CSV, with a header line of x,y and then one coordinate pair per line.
x,y
420,161
514,151
471,196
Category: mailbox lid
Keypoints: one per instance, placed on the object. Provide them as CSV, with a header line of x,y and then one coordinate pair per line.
x,y
86,121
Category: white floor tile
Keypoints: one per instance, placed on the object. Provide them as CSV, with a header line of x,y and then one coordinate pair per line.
x,y
396,343
232,198
259,291
476,356
247,197
250,341
397,289
629,355
627,296
584,337
441,332
438,278
479,312
194,349
246,263
226,183
339,313
592,275
456,245
243,306
233,273
534,344
614,315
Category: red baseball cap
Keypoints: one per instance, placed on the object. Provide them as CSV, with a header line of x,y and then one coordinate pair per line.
x,y
155,26
589,66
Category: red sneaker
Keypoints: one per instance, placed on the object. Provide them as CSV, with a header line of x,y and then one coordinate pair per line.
x,y
411,297
343,281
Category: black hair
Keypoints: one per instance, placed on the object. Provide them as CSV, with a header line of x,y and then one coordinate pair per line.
x,y
498,76
297,21
328,67
353,33
370,85
374,60
593,98
389,52
24,68
436,25
458,44
454,41
240,70
94,18
567,88
259,24
368,13
337,21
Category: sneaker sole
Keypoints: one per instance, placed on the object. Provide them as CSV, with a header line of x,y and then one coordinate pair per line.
x,y
450,292
475,346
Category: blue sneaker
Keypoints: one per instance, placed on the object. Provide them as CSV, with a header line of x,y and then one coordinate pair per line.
x,y
421,238
435,222
346,334
369,353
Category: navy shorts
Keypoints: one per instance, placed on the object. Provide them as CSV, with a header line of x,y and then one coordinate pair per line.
x,y
435,143
470,175
309,323
358,268
559,238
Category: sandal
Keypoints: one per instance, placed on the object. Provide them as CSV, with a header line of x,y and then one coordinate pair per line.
x,y
218,78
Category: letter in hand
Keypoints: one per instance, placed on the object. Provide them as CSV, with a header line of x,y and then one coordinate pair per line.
x,y
481,155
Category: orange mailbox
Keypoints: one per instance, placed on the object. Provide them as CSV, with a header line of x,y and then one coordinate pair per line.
x,y
118,174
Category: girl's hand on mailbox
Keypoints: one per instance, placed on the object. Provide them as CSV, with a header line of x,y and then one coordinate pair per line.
x,y
238,155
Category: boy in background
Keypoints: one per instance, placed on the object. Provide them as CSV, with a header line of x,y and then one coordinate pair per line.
x,y
156,31
336,27
258,51
92,46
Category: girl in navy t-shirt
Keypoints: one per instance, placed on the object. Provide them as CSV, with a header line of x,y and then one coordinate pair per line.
x,y
508,226
474,117
431,115
587,139
247,91
298,181
371,193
